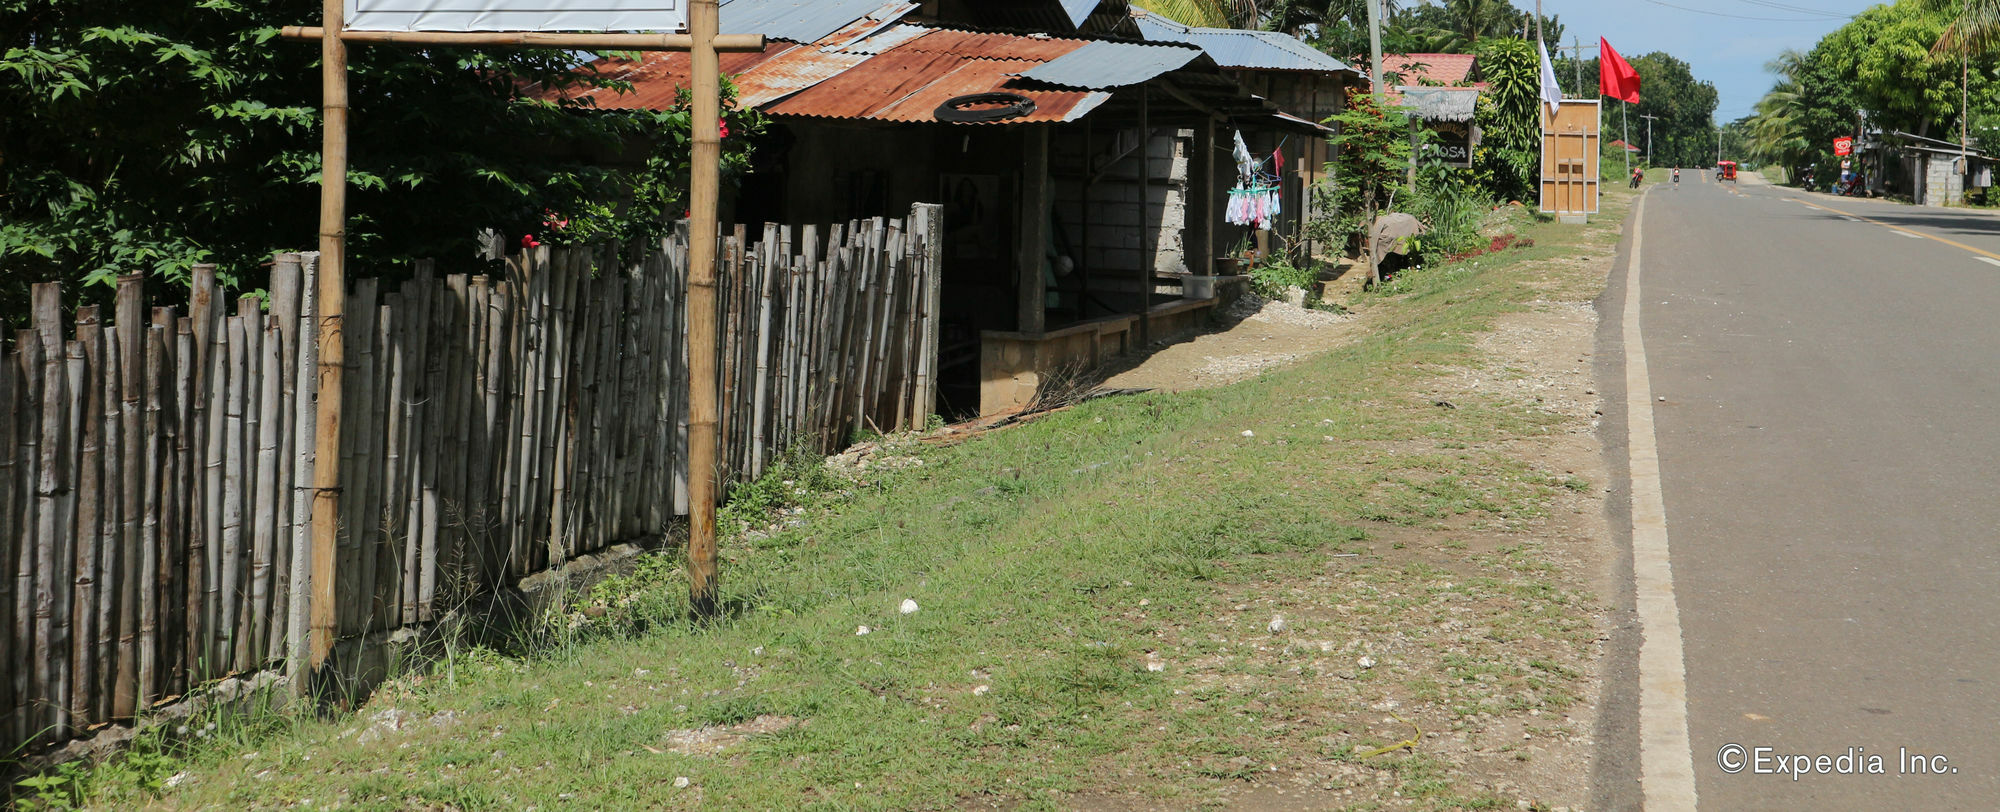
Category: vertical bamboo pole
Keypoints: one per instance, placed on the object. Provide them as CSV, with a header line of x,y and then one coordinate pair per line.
x,y
110,554
28,352
89,524
285,304
264,528
233,485
706,176
132,378
187,568
50,491
305,429
10,510
154,359
332,306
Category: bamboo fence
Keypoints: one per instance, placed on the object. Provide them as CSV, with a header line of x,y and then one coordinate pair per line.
x,y
155,466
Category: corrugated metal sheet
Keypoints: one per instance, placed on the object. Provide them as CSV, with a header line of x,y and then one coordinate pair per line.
x,y
1244,50
903,73
909,82
793,20
656,78
1107,65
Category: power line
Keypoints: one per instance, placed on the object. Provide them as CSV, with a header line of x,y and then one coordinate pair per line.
x,y
1770,4
1738,16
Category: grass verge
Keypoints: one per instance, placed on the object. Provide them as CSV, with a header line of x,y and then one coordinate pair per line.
x,y
1166,598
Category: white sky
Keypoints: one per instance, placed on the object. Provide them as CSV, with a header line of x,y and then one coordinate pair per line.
x,y
1726,50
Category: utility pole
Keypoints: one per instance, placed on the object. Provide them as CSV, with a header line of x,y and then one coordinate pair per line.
x,y
1578,42
1375,46
1649,136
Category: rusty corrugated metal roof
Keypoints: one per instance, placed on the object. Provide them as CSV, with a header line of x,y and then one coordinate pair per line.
x,y
910,81
901,73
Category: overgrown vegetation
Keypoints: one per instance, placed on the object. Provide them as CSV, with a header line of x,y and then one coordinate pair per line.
x,y
147,137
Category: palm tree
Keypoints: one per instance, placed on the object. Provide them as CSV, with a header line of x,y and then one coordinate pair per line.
x,y
1206,13
1975,27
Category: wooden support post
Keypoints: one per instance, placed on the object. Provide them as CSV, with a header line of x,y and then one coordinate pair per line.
x,y
1033,232
1147,239
1200,239
332,357
706,180
1083,180
733,43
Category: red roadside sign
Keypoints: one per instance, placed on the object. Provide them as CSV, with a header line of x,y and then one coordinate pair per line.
x,y
1843,145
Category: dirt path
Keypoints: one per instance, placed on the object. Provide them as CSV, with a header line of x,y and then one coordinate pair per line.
x,y
1256,334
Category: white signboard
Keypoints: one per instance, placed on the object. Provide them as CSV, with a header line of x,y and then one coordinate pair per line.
x,y
517,15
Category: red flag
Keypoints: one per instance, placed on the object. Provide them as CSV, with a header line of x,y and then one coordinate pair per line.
x,y
1615,76
1278,155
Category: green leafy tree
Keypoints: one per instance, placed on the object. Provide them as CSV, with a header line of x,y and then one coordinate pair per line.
x,y
1509,117
1372,149
147,137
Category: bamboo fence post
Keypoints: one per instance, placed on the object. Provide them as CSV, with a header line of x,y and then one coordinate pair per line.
x,y
129,327
358,397
111,509
705,171
10,475
251,312
491,448
149,531
435,322
49,489
759,399
167,542
374,544
285,294
186,595
557,433
89,513
931,217
402,489
28,351
232,496
216,397
62,574
305,408
264,538
678,314
457,422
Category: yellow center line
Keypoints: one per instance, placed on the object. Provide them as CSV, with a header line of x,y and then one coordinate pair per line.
x,y
1900,230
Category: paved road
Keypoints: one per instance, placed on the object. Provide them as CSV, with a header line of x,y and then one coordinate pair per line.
x,y
1828,426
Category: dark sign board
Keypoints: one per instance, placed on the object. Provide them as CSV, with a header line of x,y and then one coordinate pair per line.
x,y
1455,140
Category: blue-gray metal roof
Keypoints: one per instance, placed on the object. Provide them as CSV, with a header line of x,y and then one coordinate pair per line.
x,y
1241,49
1106,65
794,20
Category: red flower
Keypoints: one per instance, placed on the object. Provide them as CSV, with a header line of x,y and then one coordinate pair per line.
x,y
529,241
724,124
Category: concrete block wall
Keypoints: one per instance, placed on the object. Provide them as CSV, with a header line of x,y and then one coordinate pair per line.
x,y
1117,203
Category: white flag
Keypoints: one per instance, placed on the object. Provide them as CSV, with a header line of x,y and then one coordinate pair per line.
x,y
1551,92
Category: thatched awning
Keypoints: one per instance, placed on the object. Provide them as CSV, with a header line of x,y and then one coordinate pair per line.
x,y
1441,103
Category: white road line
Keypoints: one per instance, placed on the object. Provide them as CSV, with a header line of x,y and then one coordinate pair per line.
x,y
1666,758
1988,260
1911,236
1849,219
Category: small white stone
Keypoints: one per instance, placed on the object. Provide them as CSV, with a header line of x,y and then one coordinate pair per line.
x,y
981,690
1249,433
909,607
1366,662
1156,665
1277,624
680,782
861,630
1145,602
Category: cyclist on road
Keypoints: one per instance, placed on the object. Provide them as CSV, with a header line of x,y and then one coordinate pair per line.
x,y
1677,175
